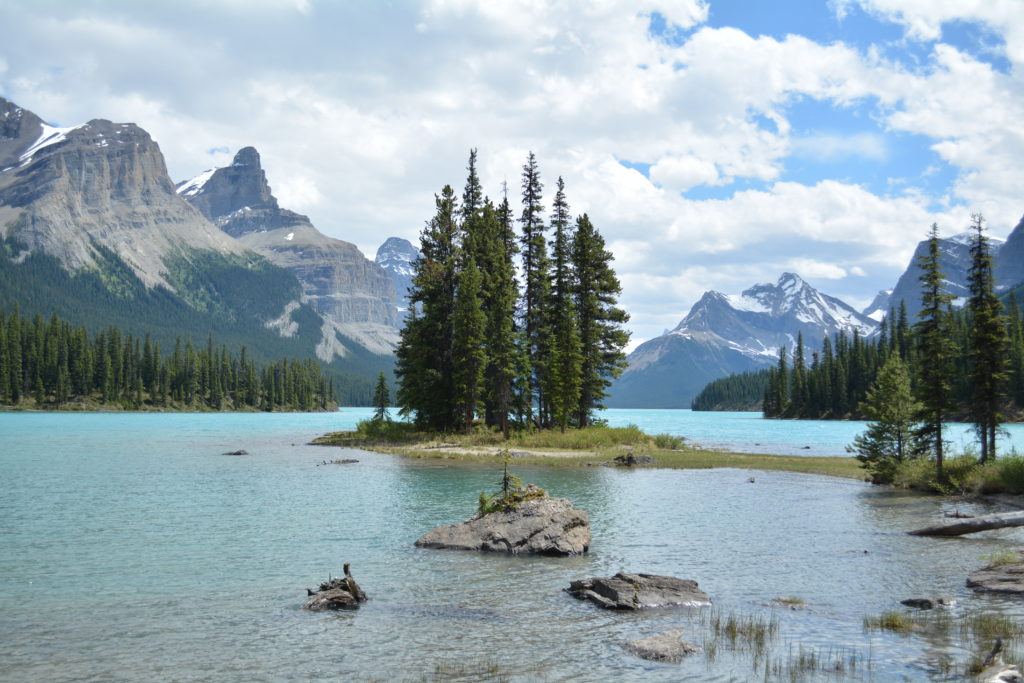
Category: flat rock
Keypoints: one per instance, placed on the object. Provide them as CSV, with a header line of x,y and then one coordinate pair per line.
x,y
664,647
928,603
639,591
631,460
1001,578
545,526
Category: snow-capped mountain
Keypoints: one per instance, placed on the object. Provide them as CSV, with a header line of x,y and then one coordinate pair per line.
x,y
879,306
396,256
727,333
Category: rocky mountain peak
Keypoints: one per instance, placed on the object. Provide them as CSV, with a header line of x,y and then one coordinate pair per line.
x,y
19,128
879,306
224,194
396,256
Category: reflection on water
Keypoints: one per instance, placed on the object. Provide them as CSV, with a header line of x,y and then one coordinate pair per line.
x,y
130,548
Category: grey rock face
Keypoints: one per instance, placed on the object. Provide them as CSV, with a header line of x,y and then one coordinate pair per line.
x,y
546,526
666,647
639,591
353,293
1002,578
100,184
1009,263
396,257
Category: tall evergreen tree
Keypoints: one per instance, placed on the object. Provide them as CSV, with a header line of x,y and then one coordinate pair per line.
x,y
536,285
504,362
935,348
599,319
987,344
565,365
468,345
381,400
424,363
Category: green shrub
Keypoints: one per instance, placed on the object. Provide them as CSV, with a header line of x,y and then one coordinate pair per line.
x,y
669,442
384,430
919,474
1011,473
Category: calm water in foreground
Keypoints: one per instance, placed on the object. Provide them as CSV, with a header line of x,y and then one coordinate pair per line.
x,y
131,549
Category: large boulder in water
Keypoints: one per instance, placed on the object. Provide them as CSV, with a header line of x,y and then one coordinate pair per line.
x,y
639,591
541,526
1000,577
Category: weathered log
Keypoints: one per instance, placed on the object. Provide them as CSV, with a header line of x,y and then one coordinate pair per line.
x,y
973,525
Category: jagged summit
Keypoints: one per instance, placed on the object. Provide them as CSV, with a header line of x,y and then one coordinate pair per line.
x,y
879,306
354,294
726,333
396,256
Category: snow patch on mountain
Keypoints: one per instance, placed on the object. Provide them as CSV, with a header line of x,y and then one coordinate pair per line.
x,y
192,187
51,135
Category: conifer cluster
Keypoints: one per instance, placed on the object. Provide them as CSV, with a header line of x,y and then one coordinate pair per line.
x,y
478,346
963,363
51,364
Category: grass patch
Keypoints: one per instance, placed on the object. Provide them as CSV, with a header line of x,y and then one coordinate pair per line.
x,y
1001,558
897,622
596,445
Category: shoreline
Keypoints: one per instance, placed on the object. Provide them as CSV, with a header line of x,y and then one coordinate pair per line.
x,y
687,457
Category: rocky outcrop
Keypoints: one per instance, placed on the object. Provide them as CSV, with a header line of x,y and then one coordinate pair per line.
x,y
544,526
639,591
70,192
1000,577
335,594
666,647
354,294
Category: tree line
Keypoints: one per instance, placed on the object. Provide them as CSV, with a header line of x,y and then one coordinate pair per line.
x,y
739,391
949,364
50,363
510,328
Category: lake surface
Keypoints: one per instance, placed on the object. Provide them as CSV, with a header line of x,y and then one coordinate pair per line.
x,y
131,549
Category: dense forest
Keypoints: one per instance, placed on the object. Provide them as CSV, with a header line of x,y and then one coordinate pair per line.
x,y
52,364
477,346
742,391
227,297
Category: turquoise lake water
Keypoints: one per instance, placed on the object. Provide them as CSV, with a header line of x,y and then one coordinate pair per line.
x,y
131,549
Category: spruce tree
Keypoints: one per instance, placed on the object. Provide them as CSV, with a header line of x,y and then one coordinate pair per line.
x,y
987,344
468,345
504,361
935,349
565,365
599,319
381,400
536,286
424,363
892,410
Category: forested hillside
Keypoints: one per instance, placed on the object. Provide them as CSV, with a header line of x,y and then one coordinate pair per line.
x,y
51,364
742,391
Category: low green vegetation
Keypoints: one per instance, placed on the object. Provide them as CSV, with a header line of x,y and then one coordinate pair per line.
x,y
510,495
595,445
962,475
976,633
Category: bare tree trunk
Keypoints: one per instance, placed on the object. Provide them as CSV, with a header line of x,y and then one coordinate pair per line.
x,y
973,525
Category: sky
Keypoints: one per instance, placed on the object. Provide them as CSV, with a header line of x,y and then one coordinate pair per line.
x,y
715,144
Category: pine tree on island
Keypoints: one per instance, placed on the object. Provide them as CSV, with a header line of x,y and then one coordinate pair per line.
x,y
381,400
478,349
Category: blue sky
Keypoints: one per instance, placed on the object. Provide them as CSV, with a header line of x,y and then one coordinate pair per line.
x,y
715,144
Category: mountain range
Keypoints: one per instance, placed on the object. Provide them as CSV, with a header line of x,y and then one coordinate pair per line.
x,y
725,334
93,228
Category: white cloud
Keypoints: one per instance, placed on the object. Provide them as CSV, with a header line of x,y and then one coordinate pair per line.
x,y
361,111
809,268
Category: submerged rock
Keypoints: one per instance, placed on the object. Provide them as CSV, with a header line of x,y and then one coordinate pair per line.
x,y
928,603
238,452
542,526
1004,577
664,647
340,593
639,591
630,460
